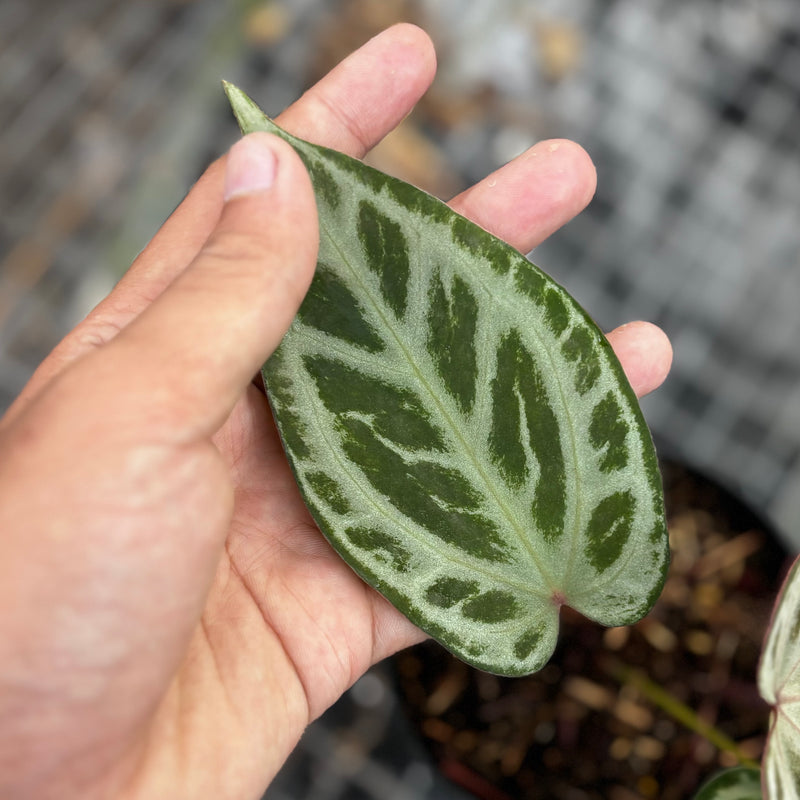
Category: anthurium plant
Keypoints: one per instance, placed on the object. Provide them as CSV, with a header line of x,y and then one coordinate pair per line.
x,y
779,685
464,435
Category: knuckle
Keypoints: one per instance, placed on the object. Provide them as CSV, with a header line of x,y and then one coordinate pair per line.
x,y
228,247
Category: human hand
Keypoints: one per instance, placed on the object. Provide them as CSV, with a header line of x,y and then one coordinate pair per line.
x,y
172,619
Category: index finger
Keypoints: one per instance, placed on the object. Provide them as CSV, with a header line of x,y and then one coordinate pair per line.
x,y
367,95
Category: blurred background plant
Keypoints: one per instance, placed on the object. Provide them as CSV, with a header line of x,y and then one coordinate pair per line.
x,y
109,109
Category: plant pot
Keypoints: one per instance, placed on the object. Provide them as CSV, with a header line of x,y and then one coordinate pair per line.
x,y
592,724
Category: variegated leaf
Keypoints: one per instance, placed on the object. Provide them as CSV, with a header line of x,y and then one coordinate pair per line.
x,y
737,783
779,684
459,428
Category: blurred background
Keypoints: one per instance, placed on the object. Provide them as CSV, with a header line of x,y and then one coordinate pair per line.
x,y
109,110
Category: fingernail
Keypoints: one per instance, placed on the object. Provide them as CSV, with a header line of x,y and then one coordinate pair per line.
x,y
251,167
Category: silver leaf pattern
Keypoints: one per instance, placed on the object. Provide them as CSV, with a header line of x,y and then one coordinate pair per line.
x,y
458,426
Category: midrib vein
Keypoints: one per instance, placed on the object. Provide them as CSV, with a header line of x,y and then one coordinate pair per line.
x,y
476,463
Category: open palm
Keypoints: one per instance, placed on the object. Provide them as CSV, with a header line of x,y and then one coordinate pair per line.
x,y
187,618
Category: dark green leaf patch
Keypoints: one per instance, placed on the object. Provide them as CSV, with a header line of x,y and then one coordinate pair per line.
x,y
404,194
555,311
328,491
579,348
447,592
330,307
505,436
468,235
425,492
324,184
385,547
386,252
608,431
281,392
526,644
523,418
398,415
452,324
493,606
609,529
411,199
530,281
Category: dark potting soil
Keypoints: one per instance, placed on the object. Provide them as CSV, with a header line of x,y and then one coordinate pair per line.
x,y
589,726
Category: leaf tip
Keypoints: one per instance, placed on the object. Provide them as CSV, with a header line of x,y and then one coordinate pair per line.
x,y
249,116
231,90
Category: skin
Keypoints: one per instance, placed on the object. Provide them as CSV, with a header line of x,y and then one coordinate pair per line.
x,y
171,620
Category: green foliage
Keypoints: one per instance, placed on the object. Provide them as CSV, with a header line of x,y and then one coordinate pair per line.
x,y
738,783
458,426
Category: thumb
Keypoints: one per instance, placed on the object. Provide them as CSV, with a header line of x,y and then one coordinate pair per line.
x,y
110,541
200,343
